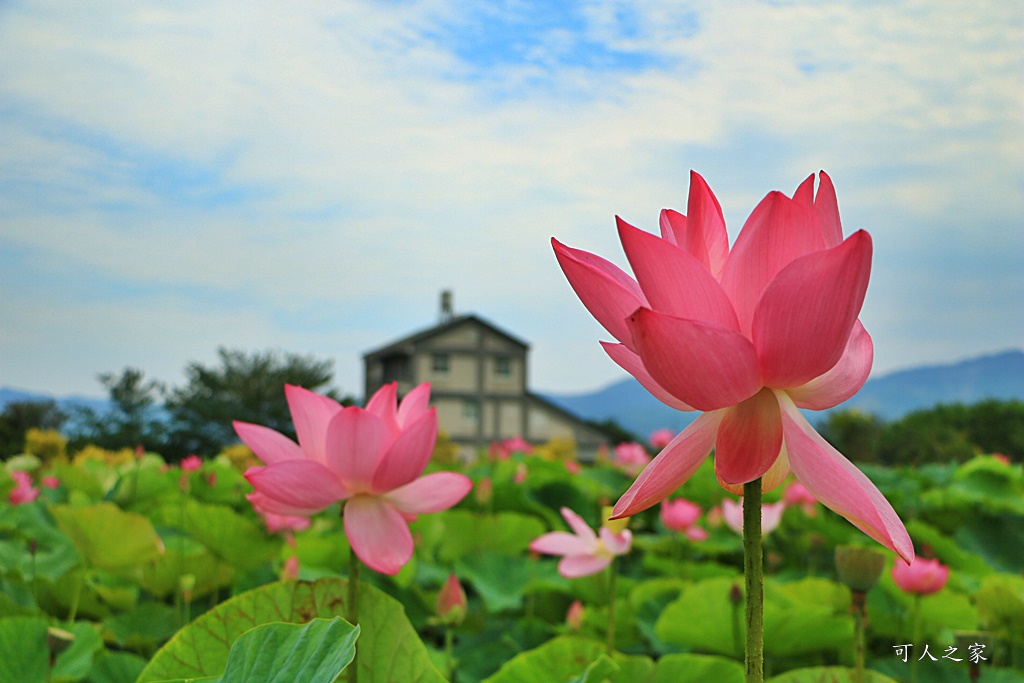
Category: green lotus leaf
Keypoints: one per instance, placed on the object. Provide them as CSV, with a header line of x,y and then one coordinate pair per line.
x,y
390,651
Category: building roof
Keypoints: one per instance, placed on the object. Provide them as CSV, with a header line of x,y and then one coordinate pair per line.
x,y
417,337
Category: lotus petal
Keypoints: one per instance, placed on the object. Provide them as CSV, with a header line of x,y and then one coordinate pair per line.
x,y
302,484
778,231
607,292
749,439
631,363
838,485
311,413
844,379
267,444
378,534
674,281
355,444
673,466
702,364
803,322
408,455
431,493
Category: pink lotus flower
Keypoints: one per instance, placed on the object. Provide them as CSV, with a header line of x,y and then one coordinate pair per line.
x,y
920,577
370,458
583,551
771,515
748,335
660,438
24,491
631,457
797,494
191,463
282,523
682,515
50,482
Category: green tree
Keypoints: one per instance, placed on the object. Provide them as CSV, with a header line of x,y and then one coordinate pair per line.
x,y
853,433
134,419
20,416
998,427
248,387
938,434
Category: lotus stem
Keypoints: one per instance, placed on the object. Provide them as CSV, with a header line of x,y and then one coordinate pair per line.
x,y
353,608
859,609
753,572
449,652
610,643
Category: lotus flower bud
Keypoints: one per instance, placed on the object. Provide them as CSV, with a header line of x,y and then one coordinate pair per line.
x,y
451,602
858,567
574,616
921,577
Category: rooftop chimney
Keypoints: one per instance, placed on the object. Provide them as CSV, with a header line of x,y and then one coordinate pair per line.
x,y
447,311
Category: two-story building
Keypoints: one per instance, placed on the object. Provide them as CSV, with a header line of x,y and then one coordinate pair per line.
x,y
477,374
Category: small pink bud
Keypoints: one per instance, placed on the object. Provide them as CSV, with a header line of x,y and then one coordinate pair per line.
x,y
574,616
290,571
484,491
451,602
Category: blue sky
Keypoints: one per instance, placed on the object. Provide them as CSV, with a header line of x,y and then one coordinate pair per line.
x,y
176,177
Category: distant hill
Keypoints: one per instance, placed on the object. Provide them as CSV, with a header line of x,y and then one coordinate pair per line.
x,y
890,396
8,395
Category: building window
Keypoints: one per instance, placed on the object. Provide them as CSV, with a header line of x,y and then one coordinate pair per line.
x,y
503,366
470,409
439,363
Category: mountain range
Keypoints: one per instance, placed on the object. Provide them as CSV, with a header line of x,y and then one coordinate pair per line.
x,y
890,396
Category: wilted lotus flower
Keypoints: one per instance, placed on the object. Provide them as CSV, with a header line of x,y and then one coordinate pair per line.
x,y
583,551
370,458
920,577
748,335
451,602
771,515
24,491
682,515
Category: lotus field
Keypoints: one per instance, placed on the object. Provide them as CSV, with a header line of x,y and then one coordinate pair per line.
x,y
359,546
117,568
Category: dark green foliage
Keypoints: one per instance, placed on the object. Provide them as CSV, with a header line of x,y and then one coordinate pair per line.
x,y
243,386
134,418
854,433
950,433
20,416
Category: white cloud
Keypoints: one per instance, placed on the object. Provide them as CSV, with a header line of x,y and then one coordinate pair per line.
x,y
342,158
